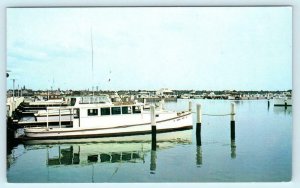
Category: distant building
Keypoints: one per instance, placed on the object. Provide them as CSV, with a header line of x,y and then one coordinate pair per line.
x,y
164,91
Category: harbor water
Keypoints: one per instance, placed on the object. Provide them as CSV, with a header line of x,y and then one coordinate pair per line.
x,y
261,152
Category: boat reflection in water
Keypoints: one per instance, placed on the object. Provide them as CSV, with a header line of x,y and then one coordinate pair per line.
x,y
287,110
129,149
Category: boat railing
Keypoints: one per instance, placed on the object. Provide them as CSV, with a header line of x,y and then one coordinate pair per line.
x,y
59,108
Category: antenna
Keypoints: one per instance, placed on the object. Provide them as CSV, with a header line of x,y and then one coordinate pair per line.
x,y
92,60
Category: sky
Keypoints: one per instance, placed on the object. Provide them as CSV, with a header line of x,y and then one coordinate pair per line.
x,y
200,48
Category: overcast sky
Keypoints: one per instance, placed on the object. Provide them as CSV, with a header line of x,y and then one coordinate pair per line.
x,y
151,48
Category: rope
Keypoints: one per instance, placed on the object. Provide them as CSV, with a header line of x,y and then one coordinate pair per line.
x,y
217,114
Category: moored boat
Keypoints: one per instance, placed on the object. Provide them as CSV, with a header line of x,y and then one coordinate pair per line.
x,y
284,99
104,118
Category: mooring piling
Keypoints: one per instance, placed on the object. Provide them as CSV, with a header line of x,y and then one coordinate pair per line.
x,y
232,122
153,127
198,125
190,106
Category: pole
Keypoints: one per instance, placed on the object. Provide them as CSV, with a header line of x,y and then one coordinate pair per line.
x,y
232,122
162,104
13,106
153,127
190,106
198,125
92,60
71,116
47,118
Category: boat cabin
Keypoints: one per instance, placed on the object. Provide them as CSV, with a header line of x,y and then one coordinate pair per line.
x,y
93,110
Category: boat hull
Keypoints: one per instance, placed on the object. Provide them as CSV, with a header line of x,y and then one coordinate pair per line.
x,y
179,123
282,102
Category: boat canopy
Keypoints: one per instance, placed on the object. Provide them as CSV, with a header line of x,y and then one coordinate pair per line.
x,y
101,99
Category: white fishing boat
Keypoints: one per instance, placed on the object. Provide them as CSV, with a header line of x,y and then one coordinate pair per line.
x,y
284,99
102,118
65,114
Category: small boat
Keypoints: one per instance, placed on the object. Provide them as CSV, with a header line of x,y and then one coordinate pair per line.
x,y
99,117
284,99
185,96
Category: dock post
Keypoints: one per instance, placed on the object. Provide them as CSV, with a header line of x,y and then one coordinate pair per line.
x,y
232,122
190,106
162,104
153,127
198,125
47,118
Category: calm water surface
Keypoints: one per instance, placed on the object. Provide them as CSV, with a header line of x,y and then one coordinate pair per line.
x,y
262,151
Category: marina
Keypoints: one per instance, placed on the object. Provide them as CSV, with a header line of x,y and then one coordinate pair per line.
x,y
217,152
149,94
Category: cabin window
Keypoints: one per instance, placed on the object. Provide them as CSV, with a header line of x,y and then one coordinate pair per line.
x,y
126,110
73,101
105,111
136,109
76,113
115,110
92,112
92,158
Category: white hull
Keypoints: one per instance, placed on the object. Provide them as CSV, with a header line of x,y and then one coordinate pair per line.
x,y
282,101
184,121
231,98
172,137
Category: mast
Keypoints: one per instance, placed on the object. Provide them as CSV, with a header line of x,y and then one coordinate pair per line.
x,y
92,61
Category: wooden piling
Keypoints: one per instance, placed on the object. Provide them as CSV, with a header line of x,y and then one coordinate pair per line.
x,y
153,127
190,106
198,125
232,122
